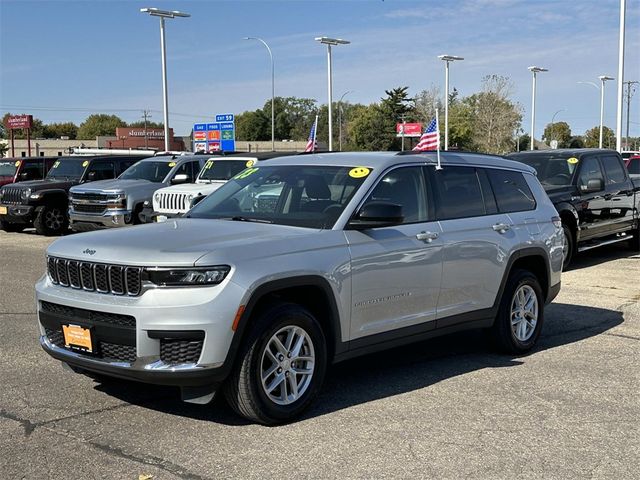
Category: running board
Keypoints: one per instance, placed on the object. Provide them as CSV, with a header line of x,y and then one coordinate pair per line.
x,y
591,246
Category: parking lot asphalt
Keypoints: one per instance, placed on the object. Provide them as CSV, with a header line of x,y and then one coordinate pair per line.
x,y
445,408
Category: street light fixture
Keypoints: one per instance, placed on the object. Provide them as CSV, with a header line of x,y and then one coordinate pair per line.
x,y
155,12
329,42
273,115
340,117
534,70
603,78
447,59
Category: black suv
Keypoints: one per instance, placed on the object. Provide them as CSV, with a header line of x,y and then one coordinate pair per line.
x,y
591,189
44,203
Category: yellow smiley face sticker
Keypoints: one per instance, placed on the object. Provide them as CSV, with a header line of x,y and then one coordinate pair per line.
x,y
85,163
172,164
572,160
17,164
359,172
250,163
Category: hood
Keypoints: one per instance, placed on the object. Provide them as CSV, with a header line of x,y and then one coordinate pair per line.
x,y
184,242
46,184
115,186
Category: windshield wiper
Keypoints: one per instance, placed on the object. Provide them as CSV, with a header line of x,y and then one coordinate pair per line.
x,y
245,219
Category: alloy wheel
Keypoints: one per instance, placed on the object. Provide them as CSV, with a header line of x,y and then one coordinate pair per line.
x,y
53,219
524,313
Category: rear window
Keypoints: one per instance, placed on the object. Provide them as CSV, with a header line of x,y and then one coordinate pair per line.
x,y
511,191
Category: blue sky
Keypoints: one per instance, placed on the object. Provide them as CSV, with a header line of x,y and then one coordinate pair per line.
x,y
61,60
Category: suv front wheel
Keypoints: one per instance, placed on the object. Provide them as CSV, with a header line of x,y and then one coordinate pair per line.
x,y
280,368
520,315
51,220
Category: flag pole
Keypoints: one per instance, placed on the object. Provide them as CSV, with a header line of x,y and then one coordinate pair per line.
x,y
438,166
315,132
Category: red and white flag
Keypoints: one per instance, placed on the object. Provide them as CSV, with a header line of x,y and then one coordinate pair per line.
x,y
311,143
430,139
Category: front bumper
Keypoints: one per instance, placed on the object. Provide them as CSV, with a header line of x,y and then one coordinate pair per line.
x,y
159,314
148,215
18,213
109,218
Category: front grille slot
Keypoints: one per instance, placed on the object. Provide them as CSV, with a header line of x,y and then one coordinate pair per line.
x,y
114,351
11,195
83,208
176,351
90,196
99,277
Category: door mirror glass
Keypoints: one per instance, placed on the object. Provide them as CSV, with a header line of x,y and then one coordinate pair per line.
x,y
24,176
376,215
594,185
91,176
179,178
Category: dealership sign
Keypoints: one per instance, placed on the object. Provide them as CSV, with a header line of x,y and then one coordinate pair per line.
x,y
19,121
410,129
217,136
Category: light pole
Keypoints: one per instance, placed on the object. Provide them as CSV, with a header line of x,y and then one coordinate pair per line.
x,y
603,78
623,7
329,42
340,117
154,12
447,59
273,96
553,130
534,70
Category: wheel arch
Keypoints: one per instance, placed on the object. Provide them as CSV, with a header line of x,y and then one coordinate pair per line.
x,y
532,259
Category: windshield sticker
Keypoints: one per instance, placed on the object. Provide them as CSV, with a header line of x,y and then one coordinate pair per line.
x,y
250,163
17,164
359,172
245,173
172,164
57,164
208,165
85,163
572,160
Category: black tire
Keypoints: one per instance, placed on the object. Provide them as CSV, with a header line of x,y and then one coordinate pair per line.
x,y
502,331
570,247
11,227
244,389
51,220
634,243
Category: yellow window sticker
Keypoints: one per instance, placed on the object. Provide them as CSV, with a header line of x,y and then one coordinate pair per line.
x,y
17,164
250,163
245,173
85,163
208,165
359,172
55,165
172,164
572,160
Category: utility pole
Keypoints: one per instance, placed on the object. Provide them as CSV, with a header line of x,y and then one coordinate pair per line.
x,y
631,89
145,115
404,123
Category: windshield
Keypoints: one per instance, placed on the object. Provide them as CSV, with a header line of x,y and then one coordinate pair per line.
x,y
222,169
153,170
297,195
71,168
552,169
8,168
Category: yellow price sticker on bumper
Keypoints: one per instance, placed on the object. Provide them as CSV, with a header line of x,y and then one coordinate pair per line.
x,y
359,172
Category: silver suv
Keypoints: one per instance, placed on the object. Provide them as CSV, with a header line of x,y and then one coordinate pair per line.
x,y
298,263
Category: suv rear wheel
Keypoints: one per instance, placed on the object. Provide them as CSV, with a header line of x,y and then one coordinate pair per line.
x,y
521,313
280,368
51,220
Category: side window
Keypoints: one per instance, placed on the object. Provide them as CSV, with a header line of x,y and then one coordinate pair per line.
x,y
458,193
122,166
187,169
404,186
589,170
511,191
33,170
100,171
613,169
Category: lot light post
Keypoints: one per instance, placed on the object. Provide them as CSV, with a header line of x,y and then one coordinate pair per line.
x,y
154,12
340,118
623,8
447,59
273,115
603,78
534,70
329,42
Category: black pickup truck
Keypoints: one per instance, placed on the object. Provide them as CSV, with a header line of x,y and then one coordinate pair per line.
x,y
598,202
45,203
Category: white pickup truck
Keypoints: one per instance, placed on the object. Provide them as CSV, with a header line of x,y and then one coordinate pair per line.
x,y
176,200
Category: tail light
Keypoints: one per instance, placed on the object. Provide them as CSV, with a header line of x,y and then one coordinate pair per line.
x,y
557,222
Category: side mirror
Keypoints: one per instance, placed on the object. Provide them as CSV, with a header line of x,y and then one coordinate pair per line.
x,y
91,176
594,185
376,215
179,178
24,176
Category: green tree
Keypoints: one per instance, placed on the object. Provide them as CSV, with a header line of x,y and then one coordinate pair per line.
x,y
559,131
99,124
65,129
592,137
372,129
253,126
140,124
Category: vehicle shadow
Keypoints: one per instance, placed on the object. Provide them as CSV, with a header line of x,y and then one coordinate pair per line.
x,y
591,258
391,372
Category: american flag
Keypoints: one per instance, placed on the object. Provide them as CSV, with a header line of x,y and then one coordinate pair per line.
x,y
430,139
311,143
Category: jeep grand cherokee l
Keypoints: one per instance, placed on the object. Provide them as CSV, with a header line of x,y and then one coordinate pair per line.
x,y
297,263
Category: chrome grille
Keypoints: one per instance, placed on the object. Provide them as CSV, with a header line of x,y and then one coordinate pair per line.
x,y
115,279
90,196
11,195
173,202
83,208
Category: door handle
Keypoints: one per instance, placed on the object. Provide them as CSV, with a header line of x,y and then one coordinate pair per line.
x,y
501,227
427,236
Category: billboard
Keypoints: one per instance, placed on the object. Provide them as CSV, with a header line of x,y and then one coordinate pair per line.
x,y
217,136
410,129
19,121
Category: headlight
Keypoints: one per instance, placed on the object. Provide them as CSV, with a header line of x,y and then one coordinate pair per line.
x,y
35,196
173,277
25,193
117,201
